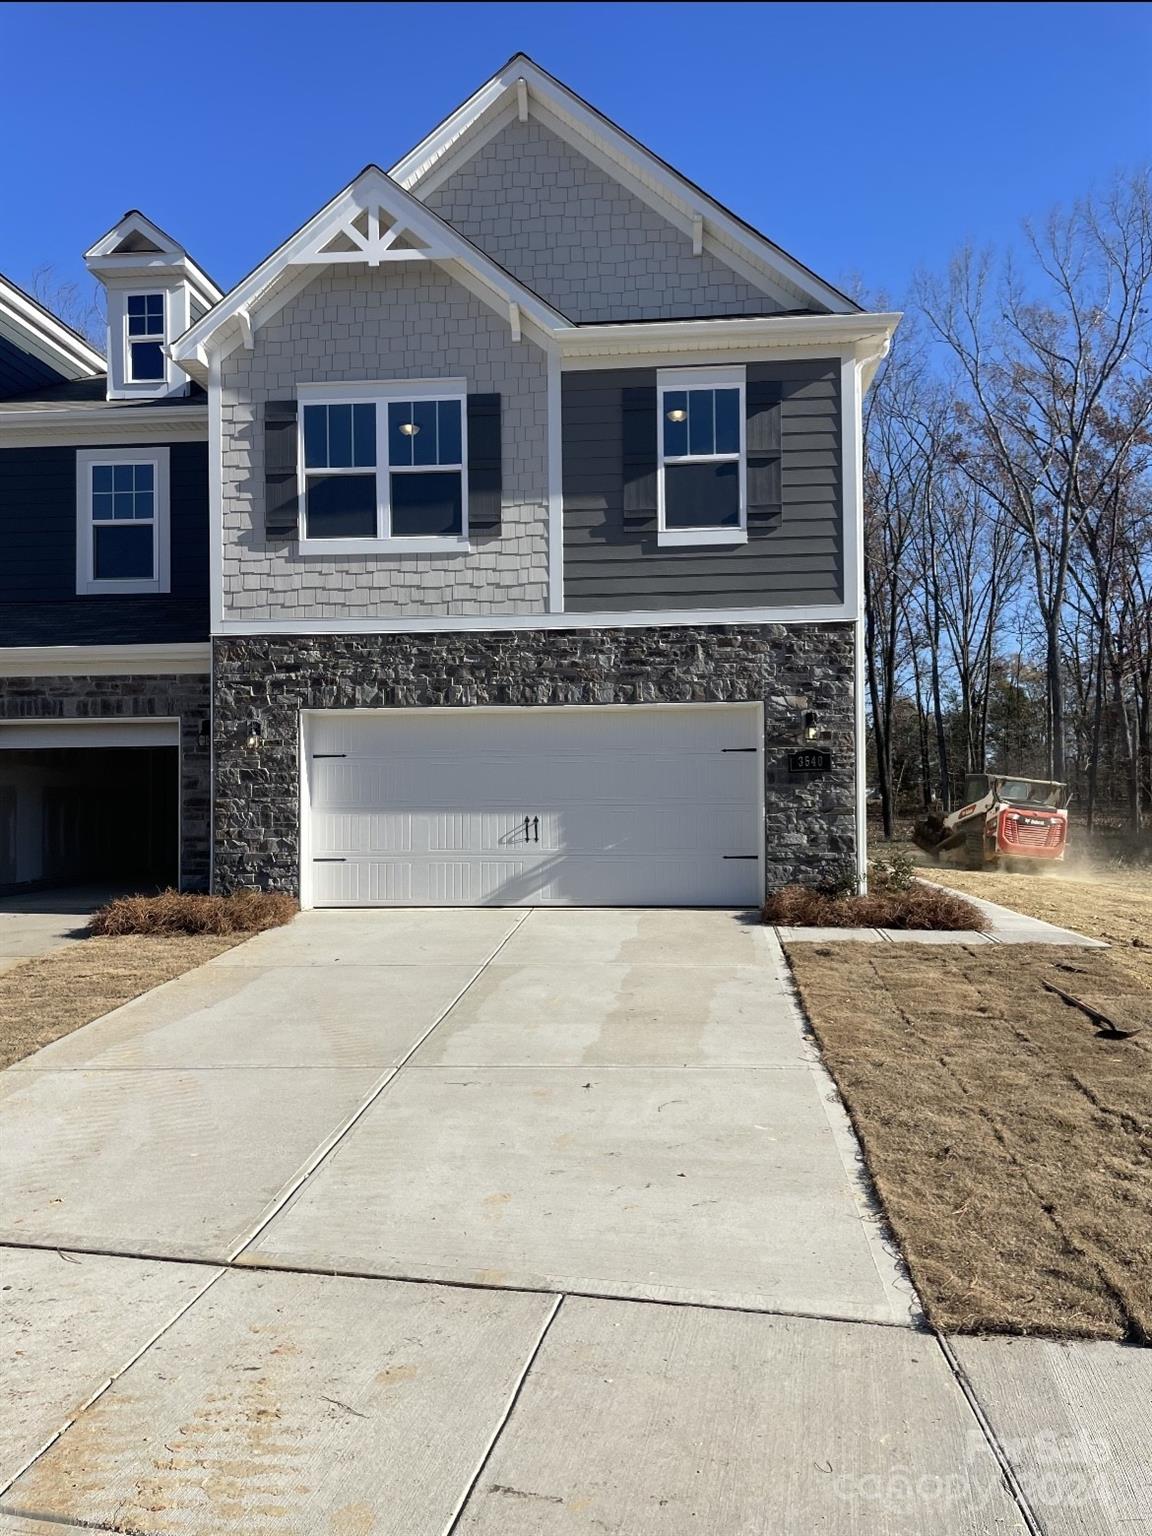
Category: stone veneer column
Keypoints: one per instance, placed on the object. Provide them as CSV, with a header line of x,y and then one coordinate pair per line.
x,y
265,681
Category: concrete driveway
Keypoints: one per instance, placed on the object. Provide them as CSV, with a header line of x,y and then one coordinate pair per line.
x,y
35,922
371,1226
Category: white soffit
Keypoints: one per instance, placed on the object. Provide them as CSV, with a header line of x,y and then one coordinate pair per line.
x,y
462,134
35,330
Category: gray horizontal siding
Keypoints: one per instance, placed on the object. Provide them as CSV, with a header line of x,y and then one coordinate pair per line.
x,y
610,566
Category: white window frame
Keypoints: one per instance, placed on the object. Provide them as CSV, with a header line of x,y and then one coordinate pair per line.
x,y
159,336
381,395
674,380
87,584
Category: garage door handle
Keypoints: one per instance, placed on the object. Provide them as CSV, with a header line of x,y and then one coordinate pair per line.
x,y
526,826
536,827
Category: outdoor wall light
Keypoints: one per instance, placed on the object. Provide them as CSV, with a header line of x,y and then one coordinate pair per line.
x,y
253,742
677,416
409,428
810,725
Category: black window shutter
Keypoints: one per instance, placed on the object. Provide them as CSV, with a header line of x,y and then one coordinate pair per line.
x,y
762,441
485,473
281,512
638,407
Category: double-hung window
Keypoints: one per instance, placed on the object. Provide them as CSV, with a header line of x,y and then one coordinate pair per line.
x,y
144,339
702,478
122,520
387,469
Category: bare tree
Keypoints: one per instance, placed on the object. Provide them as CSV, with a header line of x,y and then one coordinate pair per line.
x,y
1056,390
78,305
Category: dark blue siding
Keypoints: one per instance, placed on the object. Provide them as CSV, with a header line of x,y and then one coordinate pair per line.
x,y
38,601
21,372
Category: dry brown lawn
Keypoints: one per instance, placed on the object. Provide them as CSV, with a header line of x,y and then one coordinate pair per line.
x,y
58,992
1010,1143
1111,904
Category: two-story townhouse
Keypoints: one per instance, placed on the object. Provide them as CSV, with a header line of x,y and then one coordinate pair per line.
x,y
104,612
536,533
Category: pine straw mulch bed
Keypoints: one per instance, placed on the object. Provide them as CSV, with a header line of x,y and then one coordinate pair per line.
x,y
1010,1144
57,993
921,906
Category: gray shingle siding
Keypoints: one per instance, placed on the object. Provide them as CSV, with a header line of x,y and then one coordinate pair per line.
x,y
410,320
611,566
582,241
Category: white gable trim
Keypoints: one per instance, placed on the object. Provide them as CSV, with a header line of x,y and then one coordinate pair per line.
x,y
590,133
35,330
250,304
168,259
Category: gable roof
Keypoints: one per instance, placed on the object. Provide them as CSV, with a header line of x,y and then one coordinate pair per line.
x,y
522,87
372,221
26,323
136,246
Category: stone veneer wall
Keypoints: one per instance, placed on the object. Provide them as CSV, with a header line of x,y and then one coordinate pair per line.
x,y
120,697
582,240
809,822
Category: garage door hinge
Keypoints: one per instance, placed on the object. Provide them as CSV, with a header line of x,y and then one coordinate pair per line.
x,y
739,855
329,754
329,861
737,749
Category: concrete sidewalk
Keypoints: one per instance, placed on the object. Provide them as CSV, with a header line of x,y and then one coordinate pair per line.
x,y
1004,927
370,1227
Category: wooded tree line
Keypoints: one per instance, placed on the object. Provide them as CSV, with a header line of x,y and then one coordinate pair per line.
x,y
1008,507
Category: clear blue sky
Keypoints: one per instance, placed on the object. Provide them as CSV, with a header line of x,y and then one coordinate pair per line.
x,y
868,139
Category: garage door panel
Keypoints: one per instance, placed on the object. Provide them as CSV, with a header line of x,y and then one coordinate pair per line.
x,y
632,830
637,728
581,806
498,781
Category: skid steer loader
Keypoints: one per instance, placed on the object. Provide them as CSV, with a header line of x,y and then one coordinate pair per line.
x,y
1007,821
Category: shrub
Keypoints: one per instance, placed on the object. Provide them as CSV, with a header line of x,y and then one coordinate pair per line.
x,y
840,879
892,871
921,906
192,912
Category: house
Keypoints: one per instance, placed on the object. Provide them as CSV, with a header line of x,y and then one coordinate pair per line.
x,y
496,540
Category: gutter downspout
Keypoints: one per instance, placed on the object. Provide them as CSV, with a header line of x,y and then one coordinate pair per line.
x,y
858,375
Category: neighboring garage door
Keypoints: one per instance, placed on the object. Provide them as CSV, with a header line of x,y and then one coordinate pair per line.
x,y
632,806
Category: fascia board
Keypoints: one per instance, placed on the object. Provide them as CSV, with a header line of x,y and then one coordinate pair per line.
x,y
629,159
787,330
53,342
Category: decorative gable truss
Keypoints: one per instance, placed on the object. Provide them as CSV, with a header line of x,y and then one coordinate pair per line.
x,y
374,223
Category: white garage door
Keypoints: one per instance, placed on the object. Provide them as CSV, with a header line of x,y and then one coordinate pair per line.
x,y
633,806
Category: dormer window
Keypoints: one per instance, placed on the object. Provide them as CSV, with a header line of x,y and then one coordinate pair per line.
x,y
155,291
144,347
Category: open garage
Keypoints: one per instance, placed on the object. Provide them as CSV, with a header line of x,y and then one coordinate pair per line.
x,y
89,803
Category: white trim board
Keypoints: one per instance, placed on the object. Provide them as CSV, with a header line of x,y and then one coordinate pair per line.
x,y
590,132
831,613
105,660
108,731
35,330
